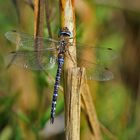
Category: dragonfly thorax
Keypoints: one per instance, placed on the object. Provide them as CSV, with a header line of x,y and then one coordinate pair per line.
x,y
62,47
64,36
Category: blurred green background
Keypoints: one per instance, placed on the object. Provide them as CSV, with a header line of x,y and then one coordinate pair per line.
x,y
25,96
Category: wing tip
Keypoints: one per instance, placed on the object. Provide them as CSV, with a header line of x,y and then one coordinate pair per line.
x,y
9,33
105,75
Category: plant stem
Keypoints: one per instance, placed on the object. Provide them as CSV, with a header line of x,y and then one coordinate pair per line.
x,y
72,104
72,95
38,17
89,108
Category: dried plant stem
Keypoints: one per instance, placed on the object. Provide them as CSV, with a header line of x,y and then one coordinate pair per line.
x,y
72,104
72,96
38,27
47,12
89,108
74,84
108,133
38,17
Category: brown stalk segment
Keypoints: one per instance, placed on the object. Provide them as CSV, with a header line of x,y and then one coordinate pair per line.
x,y
38,28
89,108
73,100
47,13
72,97
38,18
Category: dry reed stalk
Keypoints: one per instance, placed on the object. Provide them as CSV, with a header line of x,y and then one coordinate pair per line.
x,y
72,96
73,102
38,28
47,12
38,17
89,108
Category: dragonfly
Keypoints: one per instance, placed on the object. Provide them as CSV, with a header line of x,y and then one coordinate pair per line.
x,y
38,58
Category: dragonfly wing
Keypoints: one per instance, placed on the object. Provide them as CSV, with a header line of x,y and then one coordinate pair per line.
x,y
96,71
100,74
32,60
94,59
17,37
27,41
99,53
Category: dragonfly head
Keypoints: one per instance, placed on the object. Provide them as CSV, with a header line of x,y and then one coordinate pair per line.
x,y
65,32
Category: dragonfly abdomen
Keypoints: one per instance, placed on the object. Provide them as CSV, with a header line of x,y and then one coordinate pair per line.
x,y
56,86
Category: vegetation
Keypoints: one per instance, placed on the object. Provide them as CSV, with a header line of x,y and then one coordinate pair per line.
x,y
25,95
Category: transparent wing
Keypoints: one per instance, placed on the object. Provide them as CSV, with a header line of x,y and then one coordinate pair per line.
x,y
100,54
94,59
27,41
32,59
100,73
96,71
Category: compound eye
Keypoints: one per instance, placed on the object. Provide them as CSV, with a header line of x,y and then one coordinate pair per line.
x,y
65,32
